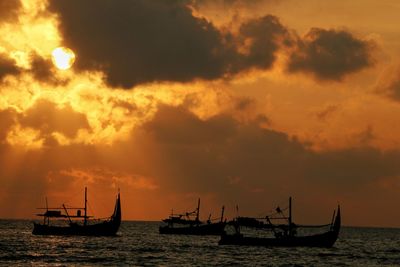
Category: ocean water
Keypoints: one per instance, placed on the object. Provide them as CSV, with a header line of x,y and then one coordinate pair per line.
x,y
139,244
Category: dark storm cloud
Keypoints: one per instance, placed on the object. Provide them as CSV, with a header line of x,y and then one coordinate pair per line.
x,y
189,154
261,38
330,54
138,41
256,157
42,69
9,9
7,67
46,117
189,129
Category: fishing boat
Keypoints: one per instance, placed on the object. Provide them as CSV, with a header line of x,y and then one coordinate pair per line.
x,y
185,224
78,224
283,235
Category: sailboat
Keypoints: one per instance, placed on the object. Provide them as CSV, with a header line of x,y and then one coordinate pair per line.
x,y
77,224
284,235
185,224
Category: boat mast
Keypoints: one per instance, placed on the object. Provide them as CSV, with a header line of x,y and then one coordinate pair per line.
x,y
222,213
85,219
290,216
198,211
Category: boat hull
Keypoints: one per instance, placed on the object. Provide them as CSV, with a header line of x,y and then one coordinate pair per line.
x,y
321,240
204,229
101,229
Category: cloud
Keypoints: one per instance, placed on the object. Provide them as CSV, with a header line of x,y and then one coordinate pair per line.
x,y
389,83
204,155
139,41
187,128
199,156
48,118
239,7
227,2
24,175
366,136
143,42
9,9
7,67
251,164
244,103
353,168
7,120
327,112
260,38
330,55
393,90
43,70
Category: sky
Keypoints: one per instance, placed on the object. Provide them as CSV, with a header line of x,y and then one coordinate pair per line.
x,y
236,102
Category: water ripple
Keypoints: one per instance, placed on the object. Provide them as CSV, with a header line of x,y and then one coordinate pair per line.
x,y
140,244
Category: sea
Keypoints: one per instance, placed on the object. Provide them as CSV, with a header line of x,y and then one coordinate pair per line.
x,y
140,244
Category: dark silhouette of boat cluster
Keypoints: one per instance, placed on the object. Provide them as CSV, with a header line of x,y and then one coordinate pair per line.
x,y
284,234
189,223
184,224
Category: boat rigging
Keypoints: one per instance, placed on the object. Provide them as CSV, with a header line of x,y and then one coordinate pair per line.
x,y
74,227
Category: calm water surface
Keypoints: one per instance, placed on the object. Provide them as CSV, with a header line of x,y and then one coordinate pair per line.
x,y
140,244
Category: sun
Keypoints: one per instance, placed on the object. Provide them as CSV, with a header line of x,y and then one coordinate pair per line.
x,y
63,58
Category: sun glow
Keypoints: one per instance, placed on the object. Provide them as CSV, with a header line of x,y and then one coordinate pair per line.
x,y
63,58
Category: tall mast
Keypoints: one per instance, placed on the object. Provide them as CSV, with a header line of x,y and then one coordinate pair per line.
x,y
85,219
222,213
198,210
290,216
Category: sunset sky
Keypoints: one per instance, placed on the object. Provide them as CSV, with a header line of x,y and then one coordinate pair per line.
x,y
239,102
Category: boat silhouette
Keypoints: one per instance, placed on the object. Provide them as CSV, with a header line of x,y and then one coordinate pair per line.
x,y
285,235
185,224
78,224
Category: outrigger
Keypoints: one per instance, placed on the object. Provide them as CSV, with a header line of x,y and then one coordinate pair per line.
x,y
88,227
284,235
184,224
